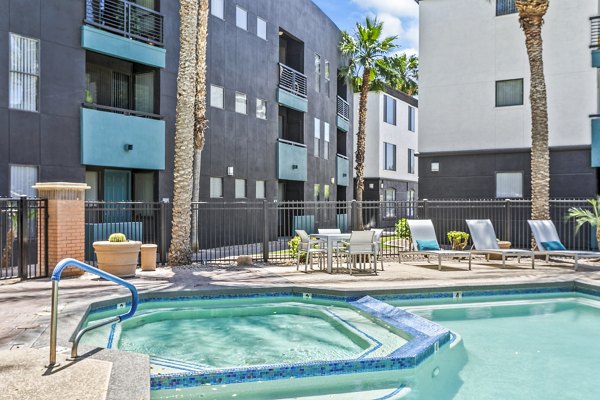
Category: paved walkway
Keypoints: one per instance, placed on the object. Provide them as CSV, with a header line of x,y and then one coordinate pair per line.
x,y
25,306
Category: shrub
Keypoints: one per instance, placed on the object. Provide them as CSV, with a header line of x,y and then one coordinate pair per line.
x,y
293,245
458,239
402,229
117,237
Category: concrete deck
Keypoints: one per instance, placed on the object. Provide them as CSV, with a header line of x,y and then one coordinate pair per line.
x,y
25,311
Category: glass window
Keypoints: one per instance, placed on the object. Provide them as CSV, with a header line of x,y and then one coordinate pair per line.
x,y
261,191
389,109
241,18
317,137
24,73
144,92
435,167
91,179
389,151
504,7
326,192
411,118
261,28
216,187
143,186
327,77
509,184
216,96
317,72
216,8
240,188
261,109
241,103
22,179
316,192
326,140
390,198
509,93
411,161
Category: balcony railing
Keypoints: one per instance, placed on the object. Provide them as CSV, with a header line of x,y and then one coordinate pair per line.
x,y
116,110
595,32
343,108
292,81
126,18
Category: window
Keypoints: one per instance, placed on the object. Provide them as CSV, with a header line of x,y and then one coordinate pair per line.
x,y
317,137
216,188
241,18
316,192
389,151
143,184
411,161
326,192
216,8
504,7
389,109
435,167
326,140
317,72
509,184
327,77
411,118
24,73
390,198
261,109
240,188
91,179
216,96
261,28
261,191
241,105
22,179
509,93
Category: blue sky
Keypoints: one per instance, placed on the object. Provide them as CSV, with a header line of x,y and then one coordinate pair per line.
x,y
400,17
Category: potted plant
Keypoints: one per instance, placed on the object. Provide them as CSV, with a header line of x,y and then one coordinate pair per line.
x,y
458,239
403,234
117,255
583,216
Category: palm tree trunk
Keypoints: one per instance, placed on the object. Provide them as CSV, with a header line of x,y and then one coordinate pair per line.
x,y
531,16
201,123
180,251
360,145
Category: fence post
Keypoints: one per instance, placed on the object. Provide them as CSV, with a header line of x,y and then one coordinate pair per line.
x,y
507,220
353,213
425,209
21,235
163,232
45,202
265,245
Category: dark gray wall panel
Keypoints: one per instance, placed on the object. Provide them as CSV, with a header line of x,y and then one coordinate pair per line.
x,y
24,130
55,11
60,141
25,17
3,67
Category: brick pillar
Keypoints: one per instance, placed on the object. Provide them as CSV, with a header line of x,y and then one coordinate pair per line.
x,y
66,219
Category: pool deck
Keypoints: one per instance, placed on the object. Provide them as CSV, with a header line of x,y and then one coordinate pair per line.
x,y
25,309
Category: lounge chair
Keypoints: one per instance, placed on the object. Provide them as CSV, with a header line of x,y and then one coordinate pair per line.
x,y
425,241
549,244
484,241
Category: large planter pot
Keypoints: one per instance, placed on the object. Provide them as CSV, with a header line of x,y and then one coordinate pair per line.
x,y
118,258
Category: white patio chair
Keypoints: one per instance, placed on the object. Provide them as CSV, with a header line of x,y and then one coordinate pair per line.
x,y
549,244
360,245
484,241
377,243
310,247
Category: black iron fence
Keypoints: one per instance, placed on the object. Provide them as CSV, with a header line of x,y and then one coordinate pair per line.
x,y
23,238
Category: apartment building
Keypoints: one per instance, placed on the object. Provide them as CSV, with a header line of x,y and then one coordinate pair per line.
x,y
475,130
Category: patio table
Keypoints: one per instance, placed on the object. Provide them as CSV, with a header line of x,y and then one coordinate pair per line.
x,y
331,239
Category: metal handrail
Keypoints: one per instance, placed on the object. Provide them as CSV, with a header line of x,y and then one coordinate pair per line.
x,y
60,267
343,108
124,111
292,81
595,32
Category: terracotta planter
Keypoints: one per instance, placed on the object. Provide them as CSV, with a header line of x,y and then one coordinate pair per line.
x,y
118,258
503,245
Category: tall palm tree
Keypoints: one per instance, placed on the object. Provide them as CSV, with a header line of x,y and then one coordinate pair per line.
x,y
531,18
367,70
180,251
407,73
201,123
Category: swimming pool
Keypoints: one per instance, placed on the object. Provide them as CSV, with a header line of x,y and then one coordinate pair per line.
x,y
527,343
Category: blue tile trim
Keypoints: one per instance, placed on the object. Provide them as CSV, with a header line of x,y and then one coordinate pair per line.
x,y
111,336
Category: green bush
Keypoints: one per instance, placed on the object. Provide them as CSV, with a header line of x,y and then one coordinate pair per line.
x,y
402,229
117,237
293,245
458,239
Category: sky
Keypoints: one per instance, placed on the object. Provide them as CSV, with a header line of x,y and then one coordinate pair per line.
x,y
400,18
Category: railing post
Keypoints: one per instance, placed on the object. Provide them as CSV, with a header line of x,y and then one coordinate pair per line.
x,y
22,236
425,209
163,232
353,213
265,232
507,220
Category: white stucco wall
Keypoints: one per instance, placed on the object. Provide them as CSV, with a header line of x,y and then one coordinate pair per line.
x,y
464,49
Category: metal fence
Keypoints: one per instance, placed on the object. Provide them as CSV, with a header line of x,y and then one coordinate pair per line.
x,y
292,80
595,32
23,238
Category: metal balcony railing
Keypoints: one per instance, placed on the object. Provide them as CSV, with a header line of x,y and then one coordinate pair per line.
x,y
126,18
595,32
343,108
292,81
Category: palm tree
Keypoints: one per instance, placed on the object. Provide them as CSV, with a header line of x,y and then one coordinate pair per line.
x,y
367,70
201,123
180,251
531,18
407,73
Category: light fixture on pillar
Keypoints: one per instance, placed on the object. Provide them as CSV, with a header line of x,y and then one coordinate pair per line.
x,y
230,171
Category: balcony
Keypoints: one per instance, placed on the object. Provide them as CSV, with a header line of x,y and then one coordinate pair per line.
x,y
292,89
595,140
291,161
595,41
112,137
343,114
110,26
342,170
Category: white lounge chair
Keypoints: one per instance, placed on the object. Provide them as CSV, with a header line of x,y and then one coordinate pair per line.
x,y
484,241
423,237
360,246
310,247
549,244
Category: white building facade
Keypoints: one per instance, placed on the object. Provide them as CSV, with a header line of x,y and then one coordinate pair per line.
x,y
391,169
475,134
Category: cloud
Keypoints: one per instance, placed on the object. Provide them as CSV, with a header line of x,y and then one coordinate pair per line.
x,y
398,8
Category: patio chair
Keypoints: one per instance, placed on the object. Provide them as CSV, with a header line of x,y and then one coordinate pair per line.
x,y
425,241
485,242
549,244
310,247
377,243
360,245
